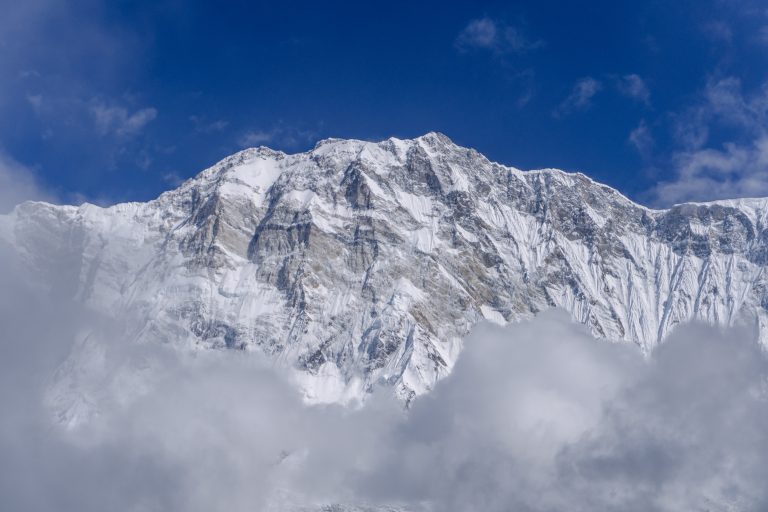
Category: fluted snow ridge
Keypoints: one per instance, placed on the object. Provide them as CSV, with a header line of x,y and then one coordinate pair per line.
x,y
359,263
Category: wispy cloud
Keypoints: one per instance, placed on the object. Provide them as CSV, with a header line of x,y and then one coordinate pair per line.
x,y
480,33
65,66
731,171
280,136
120,124
17,183
172,178
719,31
256,138
642,139
202,125
762,35
494,36
706,167
580,98
634,87
118,120
35,101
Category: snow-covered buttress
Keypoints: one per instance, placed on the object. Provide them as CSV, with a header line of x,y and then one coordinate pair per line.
x,y
360,263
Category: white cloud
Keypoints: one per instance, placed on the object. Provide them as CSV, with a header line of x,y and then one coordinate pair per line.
x,y
117,120
480,33
723,101
535,416
173,179
580,97
736,167
17,184
518,42
500,38
62,52
54,57
256,138
735,170
204,126
280,136
642,139
633,86
217,126
719,31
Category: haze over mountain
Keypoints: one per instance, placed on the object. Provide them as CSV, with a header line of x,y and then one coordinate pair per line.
x,y
359,264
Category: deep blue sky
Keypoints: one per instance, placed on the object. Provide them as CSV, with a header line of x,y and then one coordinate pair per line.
x,y
109,101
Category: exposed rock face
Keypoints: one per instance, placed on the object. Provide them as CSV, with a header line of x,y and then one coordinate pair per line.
x,y
360,263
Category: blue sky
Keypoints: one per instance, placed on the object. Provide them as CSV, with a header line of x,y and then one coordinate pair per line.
x,y
113,101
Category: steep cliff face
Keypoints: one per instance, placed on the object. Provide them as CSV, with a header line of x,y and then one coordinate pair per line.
x,y
360,263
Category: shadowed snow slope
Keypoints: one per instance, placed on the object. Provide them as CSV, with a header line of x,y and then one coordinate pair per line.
x,y
359,263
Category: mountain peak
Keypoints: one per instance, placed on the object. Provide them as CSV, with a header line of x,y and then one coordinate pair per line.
x,y
365,263
435,137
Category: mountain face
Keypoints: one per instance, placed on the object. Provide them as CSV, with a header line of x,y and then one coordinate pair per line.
x,y
360,263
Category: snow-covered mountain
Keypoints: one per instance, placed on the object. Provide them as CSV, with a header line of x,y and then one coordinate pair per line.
x,y
359,263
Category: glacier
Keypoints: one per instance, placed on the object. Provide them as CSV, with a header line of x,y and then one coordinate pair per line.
x,y
358,264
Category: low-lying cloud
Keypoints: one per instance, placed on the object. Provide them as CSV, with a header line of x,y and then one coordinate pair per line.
x,y
536,416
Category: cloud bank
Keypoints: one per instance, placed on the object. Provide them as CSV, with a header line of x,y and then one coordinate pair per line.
x,y
536,416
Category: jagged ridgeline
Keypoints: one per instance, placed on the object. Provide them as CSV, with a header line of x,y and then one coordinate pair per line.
x,y
360,263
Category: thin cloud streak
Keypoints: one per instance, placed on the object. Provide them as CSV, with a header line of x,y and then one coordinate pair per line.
x,y
112,119
580,98
642,139
496,37
280,136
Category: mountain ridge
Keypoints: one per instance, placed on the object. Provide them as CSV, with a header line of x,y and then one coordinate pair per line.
x,y
262,149
358,263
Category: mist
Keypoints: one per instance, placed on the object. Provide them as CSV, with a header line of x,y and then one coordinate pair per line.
x,y
536,416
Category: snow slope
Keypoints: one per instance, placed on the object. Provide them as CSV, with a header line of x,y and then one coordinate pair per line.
x,y
359,263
